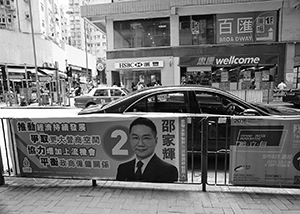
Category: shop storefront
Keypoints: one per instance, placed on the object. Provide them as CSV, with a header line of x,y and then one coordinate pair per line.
x,y
238,68
147,72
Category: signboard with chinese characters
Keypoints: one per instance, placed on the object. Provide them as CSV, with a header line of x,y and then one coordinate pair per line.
x,y
265,151
247,27
139,64
91,147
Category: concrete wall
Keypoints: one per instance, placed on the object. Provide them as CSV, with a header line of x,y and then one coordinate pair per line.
x,y
291,24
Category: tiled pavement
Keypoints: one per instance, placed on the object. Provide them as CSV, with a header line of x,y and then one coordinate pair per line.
x,y
41,196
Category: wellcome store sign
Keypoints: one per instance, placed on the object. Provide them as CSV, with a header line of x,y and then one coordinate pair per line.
x,y
234,60
229,60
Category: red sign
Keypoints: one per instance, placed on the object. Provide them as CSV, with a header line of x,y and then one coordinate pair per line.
x,y
246,27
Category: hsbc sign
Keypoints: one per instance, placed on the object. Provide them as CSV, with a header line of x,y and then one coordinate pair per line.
x,y
139,64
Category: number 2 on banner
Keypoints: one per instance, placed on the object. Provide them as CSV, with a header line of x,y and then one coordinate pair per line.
x,y
117,148
116,144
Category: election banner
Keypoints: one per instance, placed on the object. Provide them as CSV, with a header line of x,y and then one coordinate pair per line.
x,y
265,151
86,147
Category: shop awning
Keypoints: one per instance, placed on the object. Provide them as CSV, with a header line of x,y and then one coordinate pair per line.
x,y
22,71
49,72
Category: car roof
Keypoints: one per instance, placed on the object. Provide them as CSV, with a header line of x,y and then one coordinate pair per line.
x,y
185,87
107,87
150,90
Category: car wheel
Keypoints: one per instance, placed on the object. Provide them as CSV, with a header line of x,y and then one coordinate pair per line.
x,y
90,104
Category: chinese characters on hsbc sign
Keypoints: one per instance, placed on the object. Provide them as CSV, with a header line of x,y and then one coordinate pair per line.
x,y
81,148
139,64
246,27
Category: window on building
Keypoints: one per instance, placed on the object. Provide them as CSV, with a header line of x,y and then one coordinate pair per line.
x,y
72,26
77,26
79,34
9,18
196,30
103,37
1,2
42,7
2,19
142,33
103,43
43,23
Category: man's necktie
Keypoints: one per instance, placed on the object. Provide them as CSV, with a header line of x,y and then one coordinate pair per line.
x,y
138,172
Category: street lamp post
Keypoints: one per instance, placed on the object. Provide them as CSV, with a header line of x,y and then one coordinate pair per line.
x,y
34,54
86,49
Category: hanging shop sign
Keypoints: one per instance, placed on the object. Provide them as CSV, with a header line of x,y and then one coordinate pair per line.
x,y
139,64
229,60
247,27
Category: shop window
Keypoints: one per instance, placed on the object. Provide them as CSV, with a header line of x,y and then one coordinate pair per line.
x,y
195,77
142,33
146,77
196,30
244,77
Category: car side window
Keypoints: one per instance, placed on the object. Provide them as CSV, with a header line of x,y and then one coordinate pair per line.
x,y
101,92
166,102
115,92
211,103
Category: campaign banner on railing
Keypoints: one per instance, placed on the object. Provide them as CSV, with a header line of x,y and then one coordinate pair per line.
x,y
265,151
99,146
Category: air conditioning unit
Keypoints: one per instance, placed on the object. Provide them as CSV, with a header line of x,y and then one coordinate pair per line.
x,y
27,15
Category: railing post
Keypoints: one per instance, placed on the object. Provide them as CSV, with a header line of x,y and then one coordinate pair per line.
x,y
204,153
2,181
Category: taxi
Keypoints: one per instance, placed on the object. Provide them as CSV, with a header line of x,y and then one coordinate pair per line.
x,y
100,95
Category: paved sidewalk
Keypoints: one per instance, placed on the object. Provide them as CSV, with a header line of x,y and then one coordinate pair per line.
x,y
41,196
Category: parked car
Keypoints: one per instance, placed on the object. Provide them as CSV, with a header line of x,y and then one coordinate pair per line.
x,y
192,100
99,95
292,96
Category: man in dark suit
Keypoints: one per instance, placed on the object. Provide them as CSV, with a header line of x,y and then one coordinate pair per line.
x,y
146,166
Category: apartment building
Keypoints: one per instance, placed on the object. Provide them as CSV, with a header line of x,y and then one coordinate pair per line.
x,y
226,44
83,33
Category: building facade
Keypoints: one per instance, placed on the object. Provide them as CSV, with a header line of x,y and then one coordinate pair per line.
x,y
50,35
228,44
